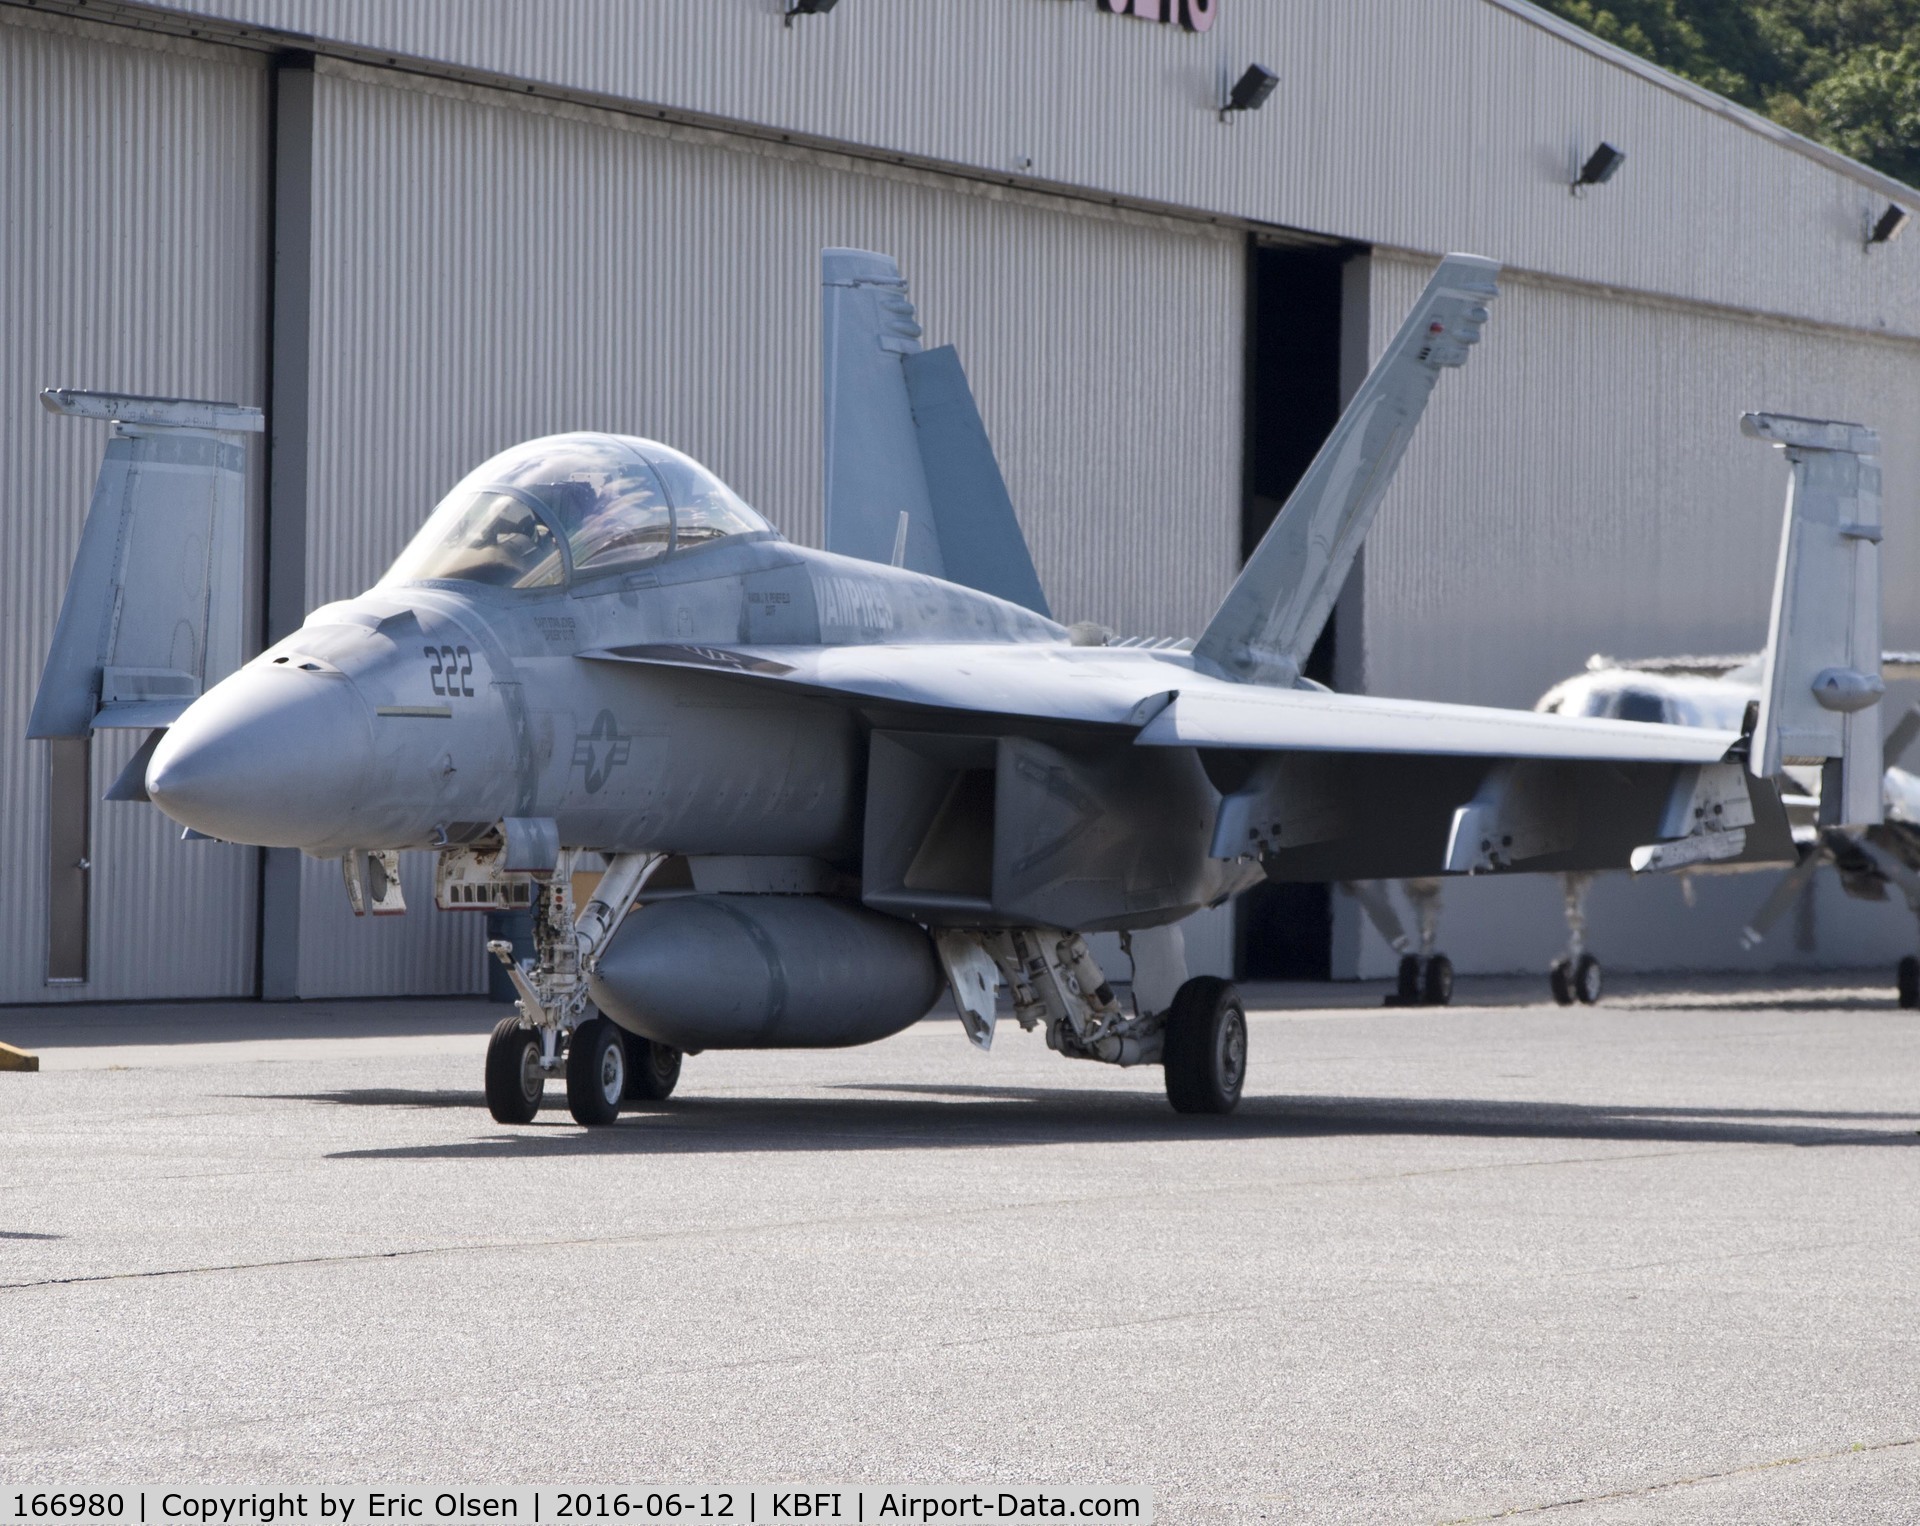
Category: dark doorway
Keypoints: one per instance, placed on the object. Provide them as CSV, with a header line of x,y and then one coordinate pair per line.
x,y
1296,325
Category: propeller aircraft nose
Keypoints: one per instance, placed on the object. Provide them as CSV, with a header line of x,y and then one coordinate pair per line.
x,y
277,756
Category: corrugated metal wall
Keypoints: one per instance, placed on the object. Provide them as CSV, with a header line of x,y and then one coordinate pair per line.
x,y
1423,124
487,270
1583,487
132,189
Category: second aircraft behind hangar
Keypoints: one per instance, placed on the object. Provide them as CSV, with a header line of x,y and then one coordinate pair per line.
x,y
813,786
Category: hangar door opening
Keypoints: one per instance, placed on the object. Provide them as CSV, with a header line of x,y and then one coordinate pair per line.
x,y
1306,341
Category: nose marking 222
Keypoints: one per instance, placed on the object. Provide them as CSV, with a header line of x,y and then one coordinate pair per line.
x,y
601,750
453,668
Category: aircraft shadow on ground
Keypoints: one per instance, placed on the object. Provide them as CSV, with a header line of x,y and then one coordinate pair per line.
x,y
934,1117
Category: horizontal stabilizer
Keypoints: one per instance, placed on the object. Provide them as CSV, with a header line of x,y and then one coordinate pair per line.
x,y
153,613
1275,610
911,478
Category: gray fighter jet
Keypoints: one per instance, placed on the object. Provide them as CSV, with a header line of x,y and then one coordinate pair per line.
x,y
763,796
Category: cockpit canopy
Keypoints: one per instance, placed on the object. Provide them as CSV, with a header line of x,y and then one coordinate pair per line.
x,y
571,503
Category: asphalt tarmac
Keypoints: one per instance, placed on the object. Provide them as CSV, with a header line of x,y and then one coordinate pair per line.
x,y
1653,1261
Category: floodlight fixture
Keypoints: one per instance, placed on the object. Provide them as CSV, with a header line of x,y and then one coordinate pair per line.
x,y
1251,90
808,8
1889,225
1601,166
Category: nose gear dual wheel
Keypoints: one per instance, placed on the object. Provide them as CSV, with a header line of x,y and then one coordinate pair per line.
x,y
515,1081
1907,980
1205,1047
596,1073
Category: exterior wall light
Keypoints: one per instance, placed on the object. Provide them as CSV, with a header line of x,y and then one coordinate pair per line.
x,y
1250,91
808,8
1601,166
1889,225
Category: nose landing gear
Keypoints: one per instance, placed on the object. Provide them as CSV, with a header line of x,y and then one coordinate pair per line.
x,y
515,1079
556,1027
596,1073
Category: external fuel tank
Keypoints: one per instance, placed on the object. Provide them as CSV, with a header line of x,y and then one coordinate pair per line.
x,y
765,972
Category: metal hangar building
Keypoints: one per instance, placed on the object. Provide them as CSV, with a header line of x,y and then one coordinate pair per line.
x,y
418,233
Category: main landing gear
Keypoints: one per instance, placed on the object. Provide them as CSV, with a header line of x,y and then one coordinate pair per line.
x,y
1205,1047
1194,1029
1907,978
1575,975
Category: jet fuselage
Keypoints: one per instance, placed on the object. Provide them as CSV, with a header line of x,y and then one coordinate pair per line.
x,y
422,714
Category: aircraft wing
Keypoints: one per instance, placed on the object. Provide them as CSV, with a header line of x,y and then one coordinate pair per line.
x,y
1167,704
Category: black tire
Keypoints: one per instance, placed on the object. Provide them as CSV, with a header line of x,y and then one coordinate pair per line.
x,y
1436,986
1406,990
1908,979
653,1070
1587,983
515,1082
1560,978
596,1073
1205,1050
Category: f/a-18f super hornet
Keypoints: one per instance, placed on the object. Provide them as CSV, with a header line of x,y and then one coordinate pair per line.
x,y
764,796
1716,692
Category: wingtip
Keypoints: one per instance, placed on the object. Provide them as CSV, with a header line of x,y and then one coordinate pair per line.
x,y
1470,272
857,267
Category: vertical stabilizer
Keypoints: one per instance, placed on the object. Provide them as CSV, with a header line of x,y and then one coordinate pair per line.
x,y
911,477
980,539
874,475
1275,610
1820,688
154,612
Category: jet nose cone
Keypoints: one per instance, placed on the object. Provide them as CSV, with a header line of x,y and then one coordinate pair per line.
x,y
272,756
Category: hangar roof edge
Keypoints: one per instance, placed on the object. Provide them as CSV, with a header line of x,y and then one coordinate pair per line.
x,y
1700,95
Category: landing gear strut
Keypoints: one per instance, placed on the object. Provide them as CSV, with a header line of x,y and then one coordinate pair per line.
x,y
1575,975
1196,1030
556,1028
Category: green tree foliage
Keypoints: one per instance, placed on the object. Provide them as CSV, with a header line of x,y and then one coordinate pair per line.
x,y
1843,72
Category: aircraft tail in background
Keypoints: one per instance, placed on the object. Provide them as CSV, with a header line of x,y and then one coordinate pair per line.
x,y
1273,614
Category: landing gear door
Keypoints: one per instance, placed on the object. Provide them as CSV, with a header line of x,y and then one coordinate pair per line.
x,y
154,612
